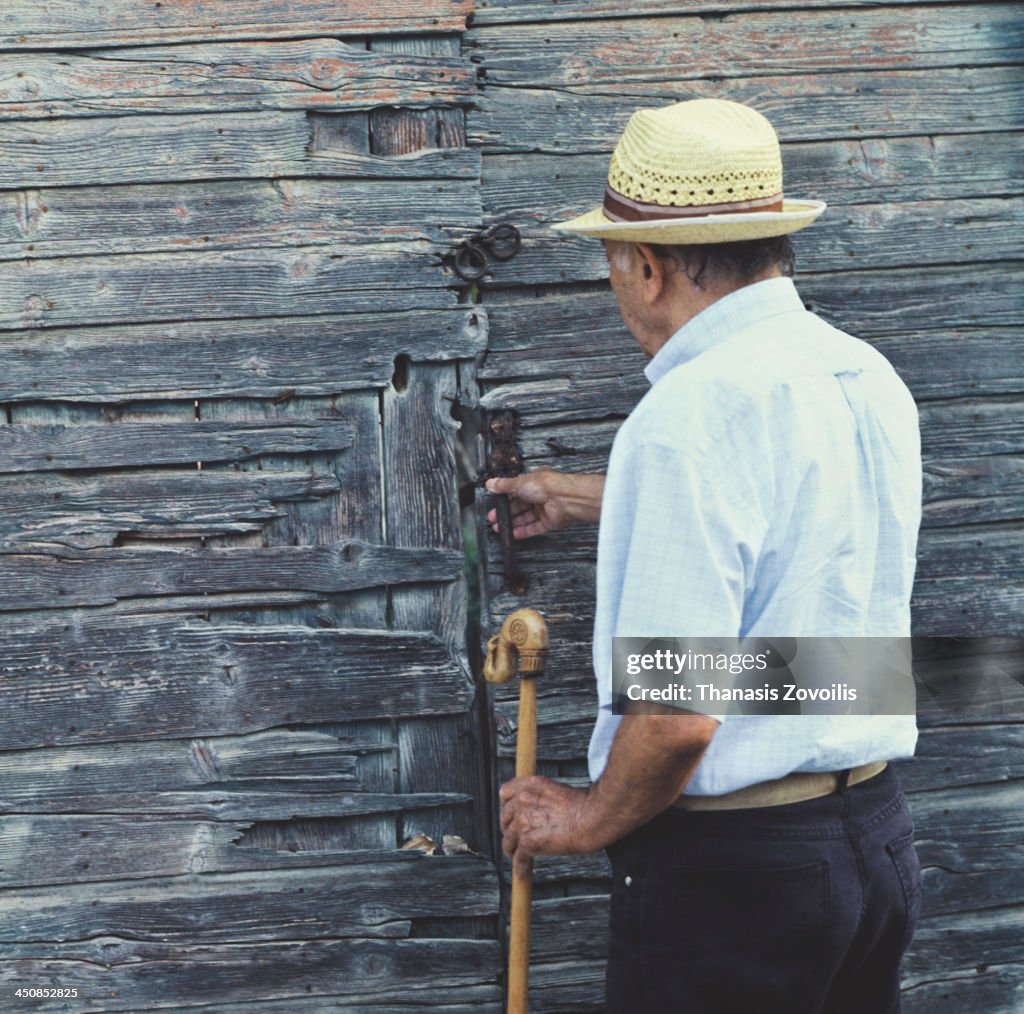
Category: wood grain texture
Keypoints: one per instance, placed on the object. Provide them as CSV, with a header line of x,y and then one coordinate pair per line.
x,y
32,447
589,116
115,974
218,285
317,74
293,356
161,148
875,236
92,511
240,214
364,900
537,187
67,577
494,12
71,23
89,778
153,677
749,43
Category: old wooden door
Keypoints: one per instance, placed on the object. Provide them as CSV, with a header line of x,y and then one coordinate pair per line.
x,y
233,663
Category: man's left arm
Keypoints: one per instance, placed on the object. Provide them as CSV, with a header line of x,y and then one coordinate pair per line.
x,y
651,761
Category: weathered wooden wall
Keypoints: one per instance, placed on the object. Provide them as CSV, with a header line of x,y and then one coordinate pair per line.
x,y
907,118
233,676
233,672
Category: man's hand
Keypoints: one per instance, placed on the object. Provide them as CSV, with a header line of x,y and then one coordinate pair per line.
x,y
545,500
542,817
651,760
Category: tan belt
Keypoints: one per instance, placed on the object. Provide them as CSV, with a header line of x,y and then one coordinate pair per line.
x,y
793,788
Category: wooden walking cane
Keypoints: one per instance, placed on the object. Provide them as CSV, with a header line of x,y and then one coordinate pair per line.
x,y
521,643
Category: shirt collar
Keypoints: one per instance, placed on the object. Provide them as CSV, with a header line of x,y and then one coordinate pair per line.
x,y
725,317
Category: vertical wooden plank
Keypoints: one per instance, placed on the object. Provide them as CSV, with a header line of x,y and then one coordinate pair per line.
x,y
400,131
422,508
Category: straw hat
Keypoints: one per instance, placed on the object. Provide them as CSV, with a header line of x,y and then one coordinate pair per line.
x,y
704,171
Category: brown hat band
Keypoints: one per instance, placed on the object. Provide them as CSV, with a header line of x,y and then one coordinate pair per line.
x,y
620,208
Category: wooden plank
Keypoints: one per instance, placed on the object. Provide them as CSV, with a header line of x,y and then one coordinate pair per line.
x,y
365,900
949,429
457,1000
854,236
152,677
589,117
90,778
964,943
70,23
84,511
74,221
158,148
969,583
422,508
315,74
40,849
982,990
301,356
30,447
996,755
55,577
753,42
396,129
493,12
973,490
210,285
534,340
114,974
540,188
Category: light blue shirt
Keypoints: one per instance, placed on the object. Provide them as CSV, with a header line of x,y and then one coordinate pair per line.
x,y
768,484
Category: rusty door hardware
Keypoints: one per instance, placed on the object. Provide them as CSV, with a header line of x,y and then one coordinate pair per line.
x,y
505,459
472,256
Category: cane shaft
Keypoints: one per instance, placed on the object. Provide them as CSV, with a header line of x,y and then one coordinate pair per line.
x,y
522,886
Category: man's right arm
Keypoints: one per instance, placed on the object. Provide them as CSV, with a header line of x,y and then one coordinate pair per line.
x,y
545,500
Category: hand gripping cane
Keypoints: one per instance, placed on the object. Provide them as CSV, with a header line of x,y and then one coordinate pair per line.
x,y
521,643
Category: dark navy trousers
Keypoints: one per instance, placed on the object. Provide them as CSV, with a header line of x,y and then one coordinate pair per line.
x,y
805,908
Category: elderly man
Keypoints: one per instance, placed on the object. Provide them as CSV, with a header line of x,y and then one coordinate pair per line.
x,y
768,484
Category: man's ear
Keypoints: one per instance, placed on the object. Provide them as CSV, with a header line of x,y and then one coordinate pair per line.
x,y
653,270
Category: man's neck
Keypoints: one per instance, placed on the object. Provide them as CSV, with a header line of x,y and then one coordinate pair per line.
x,y
689,300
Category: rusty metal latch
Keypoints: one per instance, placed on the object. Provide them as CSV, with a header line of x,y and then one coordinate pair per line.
x,y
506,459
473,255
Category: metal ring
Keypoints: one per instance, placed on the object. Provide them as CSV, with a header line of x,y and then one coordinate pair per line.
x,y
470,262
502,241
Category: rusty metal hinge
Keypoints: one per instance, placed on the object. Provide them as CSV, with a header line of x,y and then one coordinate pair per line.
x,y
505,458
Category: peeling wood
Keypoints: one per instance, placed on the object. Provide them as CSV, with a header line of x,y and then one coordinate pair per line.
x,y
317,74
72,23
